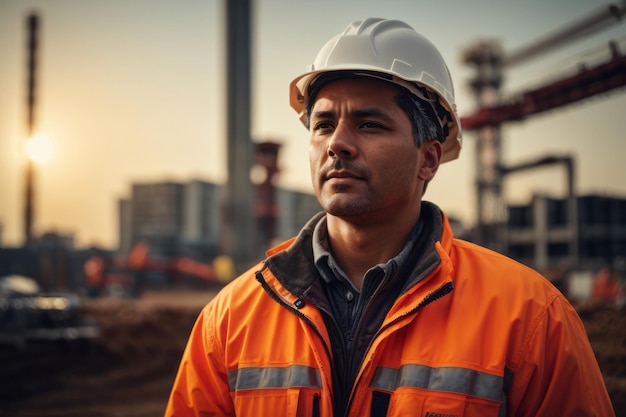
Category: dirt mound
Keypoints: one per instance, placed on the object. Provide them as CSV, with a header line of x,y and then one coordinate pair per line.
x,y
605,326
128,371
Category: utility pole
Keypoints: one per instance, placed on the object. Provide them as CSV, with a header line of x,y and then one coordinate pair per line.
x,y
32,25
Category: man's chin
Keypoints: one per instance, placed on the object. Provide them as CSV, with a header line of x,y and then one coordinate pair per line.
x,y
344,207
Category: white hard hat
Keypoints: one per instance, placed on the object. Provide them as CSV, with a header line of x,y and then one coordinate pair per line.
x,y
391,50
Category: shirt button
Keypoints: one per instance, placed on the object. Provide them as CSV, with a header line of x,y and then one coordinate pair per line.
x,y
349,296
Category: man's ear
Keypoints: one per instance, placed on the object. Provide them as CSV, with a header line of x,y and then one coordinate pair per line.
x,y
430,159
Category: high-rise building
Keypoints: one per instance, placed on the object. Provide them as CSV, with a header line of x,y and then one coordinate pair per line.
x,y
172,217
157,215
125,225
201,215
185,218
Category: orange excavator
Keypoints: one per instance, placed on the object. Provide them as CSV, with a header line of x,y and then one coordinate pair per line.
x,y
119,274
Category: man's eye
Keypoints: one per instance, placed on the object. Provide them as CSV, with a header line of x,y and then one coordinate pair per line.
x,y
371,125
322,126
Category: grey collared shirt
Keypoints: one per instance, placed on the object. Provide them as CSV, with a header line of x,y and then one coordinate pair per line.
x,y
346,301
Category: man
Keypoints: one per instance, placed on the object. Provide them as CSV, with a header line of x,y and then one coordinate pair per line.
x,y
374,309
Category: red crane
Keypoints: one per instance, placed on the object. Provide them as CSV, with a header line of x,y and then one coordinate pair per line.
x,y
585,84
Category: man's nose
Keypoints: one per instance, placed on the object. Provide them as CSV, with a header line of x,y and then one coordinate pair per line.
x,y
342,143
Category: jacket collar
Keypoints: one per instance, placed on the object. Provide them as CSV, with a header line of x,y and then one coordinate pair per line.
x,y
293,266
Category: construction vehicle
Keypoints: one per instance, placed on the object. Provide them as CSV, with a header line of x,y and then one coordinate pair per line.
x,y
28,315
127,276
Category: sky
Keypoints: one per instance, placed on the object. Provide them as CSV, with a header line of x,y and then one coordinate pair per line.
x,y
133,91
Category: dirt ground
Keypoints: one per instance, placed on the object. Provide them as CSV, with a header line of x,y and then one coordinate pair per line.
x,y
129,369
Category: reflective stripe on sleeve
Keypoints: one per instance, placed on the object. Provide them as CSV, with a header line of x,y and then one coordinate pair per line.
x,y
290,376
450,379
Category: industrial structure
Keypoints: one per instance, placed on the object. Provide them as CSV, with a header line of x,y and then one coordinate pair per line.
x,y
237,227
489,61
539,234
248,213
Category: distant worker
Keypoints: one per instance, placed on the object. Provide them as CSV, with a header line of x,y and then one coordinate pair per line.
x,y
375,309
605,285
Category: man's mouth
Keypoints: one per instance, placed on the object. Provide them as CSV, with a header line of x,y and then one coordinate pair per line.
x,y
341,174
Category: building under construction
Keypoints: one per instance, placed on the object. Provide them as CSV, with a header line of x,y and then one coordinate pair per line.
x,y
538,234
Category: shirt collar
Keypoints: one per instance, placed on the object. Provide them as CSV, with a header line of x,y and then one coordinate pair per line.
x,y
330,270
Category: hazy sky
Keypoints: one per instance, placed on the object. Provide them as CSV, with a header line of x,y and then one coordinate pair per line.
x,y
133,91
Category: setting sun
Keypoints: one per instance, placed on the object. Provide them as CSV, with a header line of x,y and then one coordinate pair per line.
x,y
39,149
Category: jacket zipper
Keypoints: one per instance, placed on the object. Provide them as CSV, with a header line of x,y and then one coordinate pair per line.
x,y
276,297
430,298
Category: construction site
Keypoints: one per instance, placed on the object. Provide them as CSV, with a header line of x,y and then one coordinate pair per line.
x,y
100,332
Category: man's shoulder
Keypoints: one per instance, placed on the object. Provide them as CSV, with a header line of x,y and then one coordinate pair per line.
x,y
503,286
465,249
485,266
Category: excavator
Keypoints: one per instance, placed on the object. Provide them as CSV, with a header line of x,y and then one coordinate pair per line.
x,y
126,276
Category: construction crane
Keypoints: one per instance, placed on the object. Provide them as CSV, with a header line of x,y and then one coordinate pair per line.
x,y
489,61
585,84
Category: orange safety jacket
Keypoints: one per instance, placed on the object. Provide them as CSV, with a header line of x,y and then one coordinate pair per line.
x,y
481,335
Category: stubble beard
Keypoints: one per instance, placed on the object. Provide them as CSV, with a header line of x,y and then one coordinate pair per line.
x,y
345,203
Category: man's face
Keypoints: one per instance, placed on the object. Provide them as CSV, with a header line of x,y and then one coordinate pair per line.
x,y
364,161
